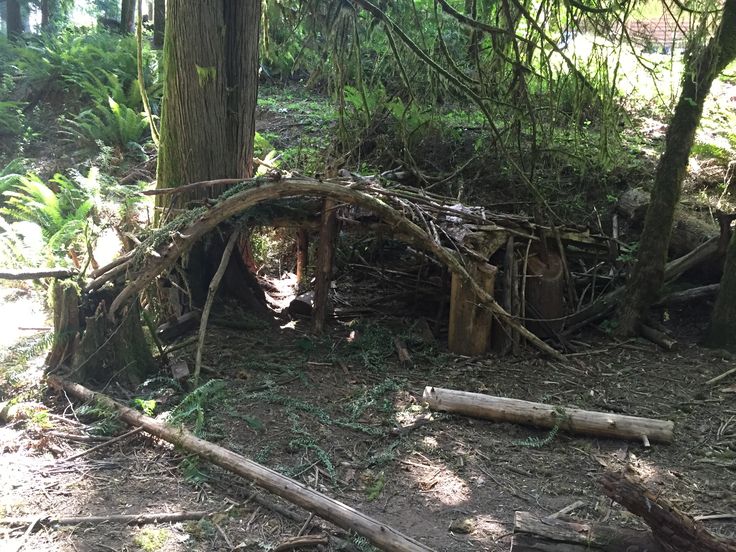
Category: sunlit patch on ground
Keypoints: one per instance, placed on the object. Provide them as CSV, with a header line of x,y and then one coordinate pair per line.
x,y
23,315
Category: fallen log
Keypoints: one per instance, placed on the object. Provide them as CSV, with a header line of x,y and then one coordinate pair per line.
x,y
546,534
331,510
658,337
37,273
573,420
674,530
605,304
128,519
687,295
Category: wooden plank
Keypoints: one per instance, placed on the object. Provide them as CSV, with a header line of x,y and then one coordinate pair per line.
x,y
470,323
573,420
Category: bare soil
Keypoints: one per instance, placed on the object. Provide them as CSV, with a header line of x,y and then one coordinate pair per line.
x,y
329,412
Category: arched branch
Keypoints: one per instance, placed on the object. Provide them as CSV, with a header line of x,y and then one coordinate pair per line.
x,y
166,257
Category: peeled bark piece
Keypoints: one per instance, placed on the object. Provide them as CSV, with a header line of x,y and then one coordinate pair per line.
x,y
674,530
573,420
383,536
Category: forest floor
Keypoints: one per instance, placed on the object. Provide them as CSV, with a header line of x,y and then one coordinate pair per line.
x,y
329,413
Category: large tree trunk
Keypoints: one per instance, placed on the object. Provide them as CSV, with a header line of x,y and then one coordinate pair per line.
x,y
127,16
13,18
722,331
159,23
45,13
208,118
647,278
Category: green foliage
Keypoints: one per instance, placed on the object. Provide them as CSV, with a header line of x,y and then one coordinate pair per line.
x,y
151,540
115,125
12,120
147,406
63,209
535,442
192,408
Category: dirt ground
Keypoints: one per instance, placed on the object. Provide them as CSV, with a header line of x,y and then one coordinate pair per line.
x,y
330,412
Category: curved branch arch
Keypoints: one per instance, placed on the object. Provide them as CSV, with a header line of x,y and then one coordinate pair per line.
x,y
351,193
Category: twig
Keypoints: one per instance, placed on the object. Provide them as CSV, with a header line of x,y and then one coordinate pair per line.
x,y
302,542
103,445
214,284
128,519
720,377
31,526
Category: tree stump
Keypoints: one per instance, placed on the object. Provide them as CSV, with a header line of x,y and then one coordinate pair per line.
x,y
66,322
108,350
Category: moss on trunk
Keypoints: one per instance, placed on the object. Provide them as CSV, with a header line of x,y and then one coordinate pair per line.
x,y
702,68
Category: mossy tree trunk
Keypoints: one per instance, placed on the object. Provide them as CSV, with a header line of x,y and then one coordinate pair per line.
x,y
13,18
722,331
208,118
702,67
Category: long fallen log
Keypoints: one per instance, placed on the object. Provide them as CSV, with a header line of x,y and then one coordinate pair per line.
x,y
687,295
573,420
127,519
36,273
676,531
545,534
328,508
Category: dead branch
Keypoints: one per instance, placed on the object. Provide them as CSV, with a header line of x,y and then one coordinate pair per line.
x,y
674,530
128,519
332,510
211,291
37,273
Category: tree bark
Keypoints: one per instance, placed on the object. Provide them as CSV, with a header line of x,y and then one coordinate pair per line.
x,y
208,117
13,19
127,16
648,275
159,23
45,13
722,330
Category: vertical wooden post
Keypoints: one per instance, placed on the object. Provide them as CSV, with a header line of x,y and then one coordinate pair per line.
x,y
302,255
323,270
470,324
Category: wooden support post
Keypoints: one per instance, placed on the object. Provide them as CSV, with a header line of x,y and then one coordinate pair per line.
x,y
334,511
325,258
302,255
470,322
573,420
